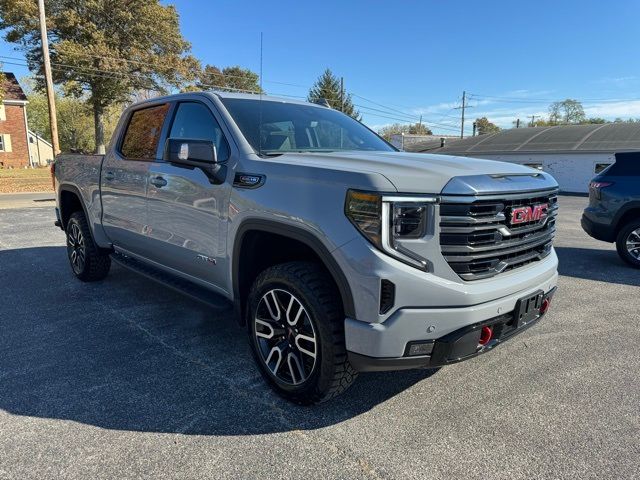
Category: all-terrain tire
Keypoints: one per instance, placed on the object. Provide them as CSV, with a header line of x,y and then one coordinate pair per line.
x,y
629,234
311,286
88,262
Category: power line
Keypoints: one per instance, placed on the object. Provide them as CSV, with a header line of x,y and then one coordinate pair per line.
x,y
548,100
412,118
380,105
389,113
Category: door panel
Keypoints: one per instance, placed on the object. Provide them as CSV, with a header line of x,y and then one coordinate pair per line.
x,y
187,213
124,203
124,179
187,222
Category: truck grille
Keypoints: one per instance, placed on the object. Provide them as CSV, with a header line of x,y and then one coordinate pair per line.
x,y
482,238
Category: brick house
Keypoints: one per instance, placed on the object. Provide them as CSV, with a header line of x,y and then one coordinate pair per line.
x,y
14,143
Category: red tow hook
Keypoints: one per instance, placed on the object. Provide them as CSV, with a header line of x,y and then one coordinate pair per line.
x,y
546,303
485,336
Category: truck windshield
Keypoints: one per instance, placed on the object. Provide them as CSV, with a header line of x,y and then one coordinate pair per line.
x,y
273,128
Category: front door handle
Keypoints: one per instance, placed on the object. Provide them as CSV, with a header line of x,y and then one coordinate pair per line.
x,y
158,182
109,176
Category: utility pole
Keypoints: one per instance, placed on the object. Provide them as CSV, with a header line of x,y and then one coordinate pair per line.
x,y
517,123
342,94
474,129
462,107
420,126
533,119
49,80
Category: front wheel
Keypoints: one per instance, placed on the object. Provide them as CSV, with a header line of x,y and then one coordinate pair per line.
x,y
628,243
88,262
296,332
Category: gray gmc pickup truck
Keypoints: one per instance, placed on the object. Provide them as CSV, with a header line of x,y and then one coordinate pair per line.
x,y
338,253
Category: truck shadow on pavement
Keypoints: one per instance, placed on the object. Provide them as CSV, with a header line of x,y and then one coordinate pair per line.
x,y
128,354
596,264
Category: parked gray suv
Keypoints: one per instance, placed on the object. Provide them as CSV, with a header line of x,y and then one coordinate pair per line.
x,y
338,253
613,214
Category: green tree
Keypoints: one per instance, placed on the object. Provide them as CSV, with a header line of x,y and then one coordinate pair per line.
x,y
595,120
484,126
397,128
419,129
103,50
328,87
75,119
232,78
568,111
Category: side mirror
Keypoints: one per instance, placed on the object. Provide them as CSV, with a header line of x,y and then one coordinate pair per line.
x,y
193,153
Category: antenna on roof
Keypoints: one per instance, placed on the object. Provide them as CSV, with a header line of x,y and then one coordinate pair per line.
x,y
260,108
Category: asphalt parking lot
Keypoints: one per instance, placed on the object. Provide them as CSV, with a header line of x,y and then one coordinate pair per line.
x,y
124,379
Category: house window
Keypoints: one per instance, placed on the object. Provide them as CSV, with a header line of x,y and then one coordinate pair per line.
x,y
5,142
600,167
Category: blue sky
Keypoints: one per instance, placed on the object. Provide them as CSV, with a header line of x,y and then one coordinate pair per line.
x,y
416,57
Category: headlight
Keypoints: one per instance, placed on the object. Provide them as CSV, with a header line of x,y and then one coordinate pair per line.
x,y
386,221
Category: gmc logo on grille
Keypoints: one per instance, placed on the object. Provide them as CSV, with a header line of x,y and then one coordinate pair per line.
x,y
529,214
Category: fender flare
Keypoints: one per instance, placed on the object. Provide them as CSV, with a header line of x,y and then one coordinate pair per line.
x,y
65,187
302,236
635,205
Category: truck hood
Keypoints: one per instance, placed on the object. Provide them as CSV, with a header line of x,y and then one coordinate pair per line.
x,y
429,173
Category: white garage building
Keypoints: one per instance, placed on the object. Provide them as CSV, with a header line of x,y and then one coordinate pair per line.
x,y
573,154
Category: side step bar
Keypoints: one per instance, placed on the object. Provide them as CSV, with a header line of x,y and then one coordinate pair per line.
x,y
190,289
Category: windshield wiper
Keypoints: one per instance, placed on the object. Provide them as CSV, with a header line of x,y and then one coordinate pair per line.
x,y
273,153
270,154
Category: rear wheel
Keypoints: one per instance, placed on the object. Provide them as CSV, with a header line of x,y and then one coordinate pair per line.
x,y
296,332
88,262
628,243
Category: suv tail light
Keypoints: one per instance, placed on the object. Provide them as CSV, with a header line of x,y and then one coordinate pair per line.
x,y
599,185
596,187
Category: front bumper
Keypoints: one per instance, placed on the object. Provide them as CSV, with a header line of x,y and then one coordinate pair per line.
x,y
457,344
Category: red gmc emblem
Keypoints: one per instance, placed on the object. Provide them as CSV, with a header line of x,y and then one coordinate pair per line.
x,y
529,214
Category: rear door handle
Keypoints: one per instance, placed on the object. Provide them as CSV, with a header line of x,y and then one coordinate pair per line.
x,y
158,182
109,176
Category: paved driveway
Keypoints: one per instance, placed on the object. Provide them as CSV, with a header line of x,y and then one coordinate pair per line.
x,y
125,378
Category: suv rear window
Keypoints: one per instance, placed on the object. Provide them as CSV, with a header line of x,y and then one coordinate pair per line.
x,y
143,132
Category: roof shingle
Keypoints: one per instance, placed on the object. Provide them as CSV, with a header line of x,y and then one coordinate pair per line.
x,y
609,137
11,87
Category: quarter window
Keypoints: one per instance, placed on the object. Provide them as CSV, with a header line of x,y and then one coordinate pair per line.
x,y
600,167
194,121
143,132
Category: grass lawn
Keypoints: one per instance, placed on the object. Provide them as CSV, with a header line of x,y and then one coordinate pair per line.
x,y
25,180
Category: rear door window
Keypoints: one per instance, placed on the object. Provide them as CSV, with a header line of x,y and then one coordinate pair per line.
x,y
141,139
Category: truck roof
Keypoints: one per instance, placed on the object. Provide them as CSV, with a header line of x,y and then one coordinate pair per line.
x,y
224,95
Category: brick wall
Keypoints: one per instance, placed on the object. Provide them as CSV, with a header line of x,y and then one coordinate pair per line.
x,y
14,126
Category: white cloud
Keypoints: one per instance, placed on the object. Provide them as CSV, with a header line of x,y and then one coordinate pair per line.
x,y
505,114
618,81
611,110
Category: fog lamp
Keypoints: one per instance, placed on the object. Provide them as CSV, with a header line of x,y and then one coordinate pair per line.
x,y
420,348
